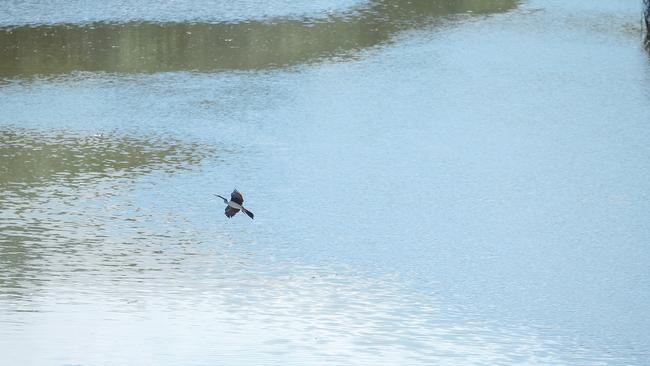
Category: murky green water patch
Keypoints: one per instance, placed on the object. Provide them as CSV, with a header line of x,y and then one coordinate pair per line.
x,y
137,46
33,157
58,194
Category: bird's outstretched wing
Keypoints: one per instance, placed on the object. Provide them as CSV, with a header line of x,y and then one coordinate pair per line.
x,y
230,211
235,196
224,200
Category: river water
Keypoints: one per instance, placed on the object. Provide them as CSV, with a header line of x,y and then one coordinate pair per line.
x,y
433,182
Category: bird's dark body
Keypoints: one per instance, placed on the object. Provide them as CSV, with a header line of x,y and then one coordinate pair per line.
x,y
235,205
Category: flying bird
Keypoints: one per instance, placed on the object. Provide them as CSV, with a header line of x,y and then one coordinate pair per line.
x,y
235,204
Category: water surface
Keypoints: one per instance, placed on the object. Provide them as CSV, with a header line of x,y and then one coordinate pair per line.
x,y
466,188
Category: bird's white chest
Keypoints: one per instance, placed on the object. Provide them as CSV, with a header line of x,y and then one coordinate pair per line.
x,y
234,205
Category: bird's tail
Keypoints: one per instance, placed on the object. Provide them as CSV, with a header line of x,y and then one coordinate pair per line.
x,y
250,214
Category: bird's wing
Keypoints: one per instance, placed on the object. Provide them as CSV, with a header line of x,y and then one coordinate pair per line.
x,y
224,200
236,197
230,211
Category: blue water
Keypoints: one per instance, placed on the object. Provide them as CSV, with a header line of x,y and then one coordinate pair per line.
x,y
84,11
474,191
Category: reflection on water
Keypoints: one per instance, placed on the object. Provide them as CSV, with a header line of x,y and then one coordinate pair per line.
x,y
30,157
43,174
152,47
114,287
233,311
